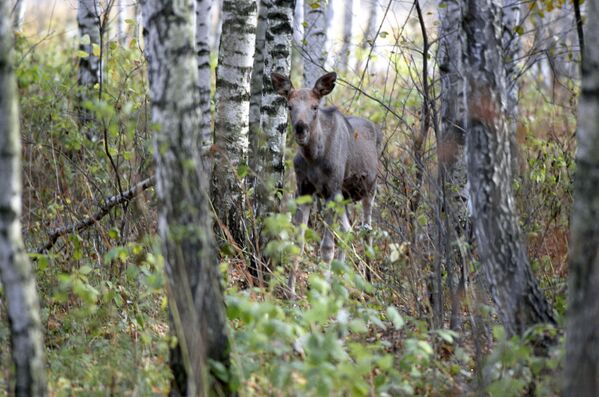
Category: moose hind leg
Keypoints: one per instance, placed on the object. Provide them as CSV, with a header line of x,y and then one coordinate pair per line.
x,y
345,227
367,229
367,202
300,219
327,246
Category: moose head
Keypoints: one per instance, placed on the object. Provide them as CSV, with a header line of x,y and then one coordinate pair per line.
x,y
303,103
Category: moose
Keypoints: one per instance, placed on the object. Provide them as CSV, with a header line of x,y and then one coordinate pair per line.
x,y
337,155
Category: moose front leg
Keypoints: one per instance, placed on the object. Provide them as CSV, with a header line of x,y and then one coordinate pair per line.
x,y
367,229
345,227
300,219
327,247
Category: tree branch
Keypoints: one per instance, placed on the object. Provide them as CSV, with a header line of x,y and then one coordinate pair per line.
x,y
104,209
579,29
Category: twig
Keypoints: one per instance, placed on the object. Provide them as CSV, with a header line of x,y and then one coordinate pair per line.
x,y
579,27
104,209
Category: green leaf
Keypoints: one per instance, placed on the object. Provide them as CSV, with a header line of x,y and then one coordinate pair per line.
x,y
447,335
304,200
358,326
395,317
85,269
519,30
243,170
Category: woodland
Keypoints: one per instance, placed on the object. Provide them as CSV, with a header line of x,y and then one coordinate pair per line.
x,y
299,198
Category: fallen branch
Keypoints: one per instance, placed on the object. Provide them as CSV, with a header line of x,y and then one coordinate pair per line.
x,y
104,209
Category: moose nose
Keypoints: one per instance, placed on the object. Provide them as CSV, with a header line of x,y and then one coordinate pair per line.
x,y
300,128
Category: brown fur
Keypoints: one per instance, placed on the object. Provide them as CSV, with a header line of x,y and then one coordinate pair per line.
x,y
337,155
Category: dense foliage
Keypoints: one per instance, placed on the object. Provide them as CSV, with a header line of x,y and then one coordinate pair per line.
x,y
102,287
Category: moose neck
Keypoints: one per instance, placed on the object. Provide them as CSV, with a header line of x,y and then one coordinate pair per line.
x,y
315,148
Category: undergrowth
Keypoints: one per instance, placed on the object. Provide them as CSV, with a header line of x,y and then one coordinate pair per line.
x,y
102,288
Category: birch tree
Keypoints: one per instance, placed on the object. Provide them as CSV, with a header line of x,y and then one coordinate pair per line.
x,y
582,352
121,26
16,272
233,75
511,49
372,26
503,257
348,15
256,82
451,144
203,10
298,34
18,14
270,146
88,21
195,296
315,39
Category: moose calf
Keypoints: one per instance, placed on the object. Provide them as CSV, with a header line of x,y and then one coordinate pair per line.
x,y
336,155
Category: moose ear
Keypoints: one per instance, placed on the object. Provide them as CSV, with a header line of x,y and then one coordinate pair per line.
x,y
281,84
325,84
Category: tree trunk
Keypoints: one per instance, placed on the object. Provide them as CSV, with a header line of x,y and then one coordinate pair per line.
x,y
203,14
233,75
372,26
256,82
194,290
256,137
121,27
217,28
503,257
89,66
297,63
453,212
17,276
18,14
270,150
315,37
582,352
511,52
348,14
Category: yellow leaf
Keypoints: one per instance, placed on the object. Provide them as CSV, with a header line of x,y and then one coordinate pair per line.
x,y
95,50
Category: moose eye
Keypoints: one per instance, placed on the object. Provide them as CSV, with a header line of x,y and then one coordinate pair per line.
x,y
289,107
315,107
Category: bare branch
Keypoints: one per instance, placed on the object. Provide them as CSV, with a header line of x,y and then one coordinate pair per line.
x,y
104,209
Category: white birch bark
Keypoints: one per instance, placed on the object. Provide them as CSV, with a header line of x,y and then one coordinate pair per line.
x,y
298,22
451,148
511,51
314,54
16,273
185,226
581,377
217,27
202,18
121,26
370,32
257,80
89,67
233,76
345,53
18,14
270,151
372,25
